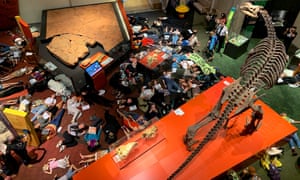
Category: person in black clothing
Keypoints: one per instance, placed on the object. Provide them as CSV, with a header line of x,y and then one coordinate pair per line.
x,y
134,71
222,33
110,128
74,131
153,111
211,21
8,163
19,147
91,96
288,36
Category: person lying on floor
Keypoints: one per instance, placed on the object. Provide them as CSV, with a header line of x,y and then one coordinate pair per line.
x,y
56,163
50,129
72,106
45,118
290,78
91,96
49,104
17,73
69,174
127,102
92,137
74,130
132,120
110,128
7,85
12,90
88,158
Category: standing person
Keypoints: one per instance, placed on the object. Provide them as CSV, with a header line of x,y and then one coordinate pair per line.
x,y
288,36
222,33
211,21
19,147
294,138
8,163
211,44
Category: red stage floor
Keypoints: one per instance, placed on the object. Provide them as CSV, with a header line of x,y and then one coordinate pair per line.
x,y
226,151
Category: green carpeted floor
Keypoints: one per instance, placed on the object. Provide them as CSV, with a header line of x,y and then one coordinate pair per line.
x,y
281,98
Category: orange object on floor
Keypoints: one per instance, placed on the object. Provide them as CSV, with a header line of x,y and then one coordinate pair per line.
x,y
227,150
153,59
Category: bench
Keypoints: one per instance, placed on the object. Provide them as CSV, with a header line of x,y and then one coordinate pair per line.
x,y
202,6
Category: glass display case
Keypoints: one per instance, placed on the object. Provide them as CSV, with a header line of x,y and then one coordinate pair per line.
x,y
128,149
236,46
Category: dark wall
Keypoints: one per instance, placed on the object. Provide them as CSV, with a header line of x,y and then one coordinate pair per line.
x,y
289,9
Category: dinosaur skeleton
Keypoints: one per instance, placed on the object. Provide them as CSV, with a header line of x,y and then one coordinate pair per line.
x,y
263,66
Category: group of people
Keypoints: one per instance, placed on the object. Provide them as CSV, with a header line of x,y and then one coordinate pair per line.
x,y
176,80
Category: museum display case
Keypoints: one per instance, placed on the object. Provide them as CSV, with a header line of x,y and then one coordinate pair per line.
x,y
236,46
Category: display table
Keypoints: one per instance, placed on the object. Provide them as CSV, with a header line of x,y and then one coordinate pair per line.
x,y
236,46
227,150
153,59
94,67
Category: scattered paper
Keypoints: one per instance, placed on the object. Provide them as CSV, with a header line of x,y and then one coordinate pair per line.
x,y
179,112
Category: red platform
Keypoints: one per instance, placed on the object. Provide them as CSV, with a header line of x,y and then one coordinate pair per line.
x,y
226,151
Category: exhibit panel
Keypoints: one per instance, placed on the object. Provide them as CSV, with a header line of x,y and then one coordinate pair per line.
x,y
227,150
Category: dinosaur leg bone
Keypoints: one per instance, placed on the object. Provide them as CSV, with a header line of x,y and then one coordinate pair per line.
x,y
188,139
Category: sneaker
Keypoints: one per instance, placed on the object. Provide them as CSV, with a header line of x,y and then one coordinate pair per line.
x,y
101,92
62,148
59,144
280,80
294,153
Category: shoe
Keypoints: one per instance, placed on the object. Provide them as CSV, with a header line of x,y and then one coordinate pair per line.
x,y
294,153
121,106
280,80
62,148
59,144
101,92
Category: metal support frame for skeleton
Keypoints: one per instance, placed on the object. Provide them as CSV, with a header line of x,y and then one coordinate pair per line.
x,y
263,66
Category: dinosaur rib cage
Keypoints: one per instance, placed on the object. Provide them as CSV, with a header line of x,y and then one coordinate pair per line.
x,y
264,64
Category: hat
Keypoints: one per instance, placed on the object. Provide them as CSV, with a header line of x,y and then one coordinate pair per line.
x,y
274,151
